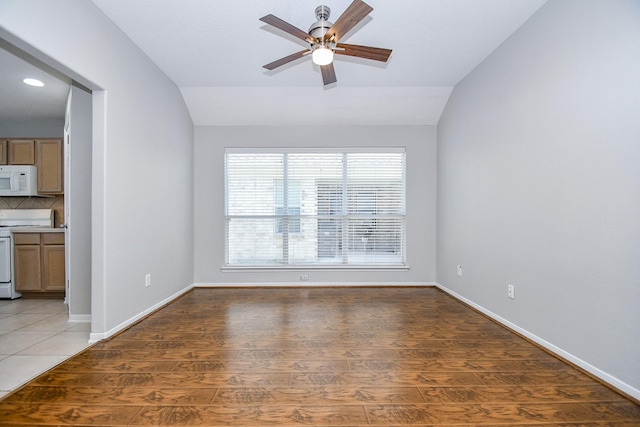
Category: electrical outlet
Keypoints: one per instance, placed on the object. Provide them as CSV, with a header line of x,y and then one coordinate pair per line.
x,y
460,270
511,291
304,277
147,280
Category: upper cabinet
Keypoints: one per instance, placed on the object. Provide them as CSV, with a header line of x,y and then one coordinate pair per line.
x,y
45,154
3,152
21,152
50,168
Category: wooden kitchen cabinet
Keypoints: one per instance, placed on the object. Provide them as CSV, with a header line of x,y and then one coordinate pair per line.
x,y
53,274
49,161
27,262
3,152
21,151
39,263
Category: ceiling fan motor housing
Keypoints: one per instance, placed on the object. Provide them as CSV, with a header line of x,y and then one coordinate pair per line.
x,y
320,28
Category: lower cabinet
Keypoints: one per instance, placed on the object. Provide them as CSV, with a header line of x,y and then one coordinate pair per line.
x,y
39,262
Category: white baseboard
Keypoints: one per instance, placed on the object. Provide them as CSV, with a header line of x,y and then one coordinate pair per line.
x,y
80,318
310,284
609,379
95,337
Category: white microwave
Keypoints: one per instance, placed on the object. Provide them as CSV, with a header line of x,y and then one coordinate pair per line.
x,y
18,180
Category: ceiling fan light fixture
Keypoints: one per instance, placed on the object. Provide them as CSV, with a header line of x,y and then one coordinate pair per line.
x,y
322,56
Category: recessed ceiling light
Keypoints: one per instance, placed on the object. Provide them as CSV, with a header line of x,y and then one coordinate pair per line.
x,y
33,82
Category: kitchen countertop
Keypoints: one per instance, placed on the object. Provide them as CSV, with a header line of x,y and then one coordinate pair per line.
x,y
36,230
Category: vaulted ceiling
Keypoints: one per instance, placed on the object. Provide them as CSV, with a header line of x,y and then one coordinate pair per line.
x,y
214,52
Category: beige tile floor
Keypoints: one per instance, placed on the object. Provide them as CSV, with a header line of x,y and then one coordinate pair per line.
x,y
35,335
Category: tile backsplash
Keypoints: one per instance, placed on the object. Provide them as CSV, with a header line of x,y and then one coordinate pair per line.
x,y
53,202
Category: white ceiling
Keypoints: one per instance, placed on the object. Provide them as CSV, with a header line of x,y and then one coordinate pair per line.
x,y
214,52
19,101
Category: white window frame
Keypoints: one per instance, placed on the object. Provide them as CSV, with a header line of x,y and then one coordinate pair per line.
x,y
286,265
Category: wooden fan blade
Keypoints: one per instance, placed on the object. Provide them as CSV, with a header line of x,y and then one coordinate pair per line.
x,y
355,13
286,59
368,52
287,28
328,74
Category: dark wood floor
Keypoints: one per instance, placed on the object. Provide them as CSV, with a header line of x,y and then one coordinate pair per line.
x,y
316,356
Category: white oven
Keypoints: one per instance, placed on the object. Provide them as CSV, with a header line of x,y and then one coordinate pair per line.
x,y
6,266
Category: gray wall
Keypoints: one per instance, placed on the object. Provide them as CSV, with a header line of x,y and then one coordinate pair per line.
x,y
210,142
538,184
142,182
40,128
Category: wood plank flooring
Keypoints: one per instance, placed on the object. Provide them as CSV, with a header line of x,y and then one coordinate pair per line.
x,y
316,357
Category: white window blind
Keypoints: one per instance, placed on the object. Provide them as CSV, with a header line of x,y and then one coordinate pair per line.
x,y
315,208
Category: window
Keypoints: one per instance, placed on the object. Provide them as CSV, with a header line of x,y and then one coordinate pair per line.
x,y
315,208
289,212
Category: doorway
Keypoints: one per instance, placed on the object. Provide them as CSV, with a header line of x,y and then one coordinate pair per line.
x,y
62,109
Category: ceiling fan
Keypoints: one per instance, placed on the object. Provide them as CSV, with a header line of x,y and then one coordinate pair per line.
x,y
323,37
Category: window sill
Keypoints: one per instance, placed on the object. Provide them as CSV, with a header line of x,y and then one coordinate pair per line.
x,y
264,268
